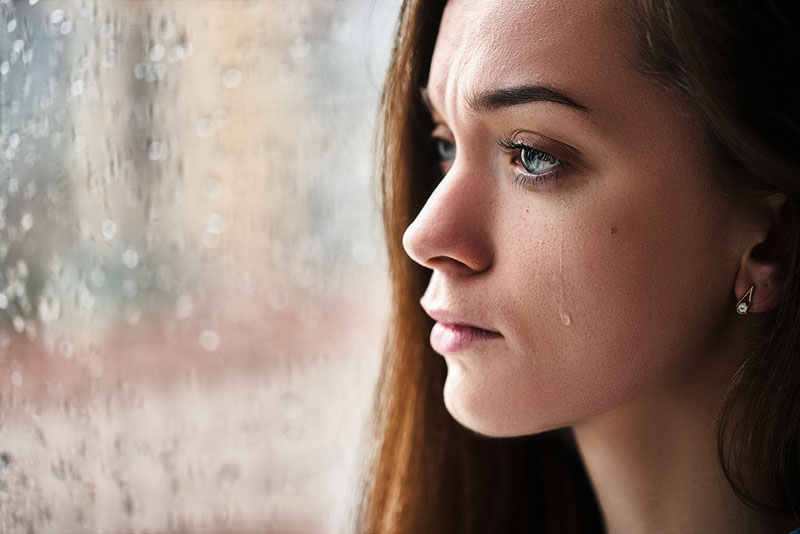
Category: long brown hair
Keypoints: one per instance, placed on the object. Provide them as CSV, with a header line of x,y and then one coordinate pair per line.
x,y
428,473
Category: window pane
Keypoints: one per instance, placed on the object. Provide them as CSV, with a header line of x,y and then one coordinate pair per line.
x,y
192,279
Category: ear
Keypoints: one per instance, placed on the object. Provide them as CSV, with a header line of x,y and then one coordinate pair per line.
x,y
765,262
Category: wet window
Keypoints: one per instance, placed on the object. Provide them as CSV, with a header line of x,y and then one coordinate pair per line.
x,y
192,280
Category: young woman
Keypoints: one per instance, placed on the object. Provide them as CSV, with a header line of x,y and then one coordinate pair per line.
x,y
592,218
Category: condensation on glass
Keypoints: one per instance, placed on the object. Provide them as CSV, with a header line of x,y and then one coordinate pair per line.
x,y
192,282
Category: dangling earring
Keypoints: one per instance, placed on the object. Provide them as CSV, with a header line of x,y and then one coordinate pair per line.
x,y
742,306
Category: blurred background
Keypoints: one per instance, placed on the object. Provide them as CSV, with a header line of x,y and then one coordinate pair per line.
x,y
193,290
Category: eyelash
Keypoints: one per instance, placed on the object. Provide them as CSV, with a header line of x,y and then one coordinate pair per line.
x,y
522,179
528,179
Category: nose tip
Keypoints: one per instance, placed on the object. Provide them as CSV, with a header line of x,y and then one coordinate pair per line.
x,y
450,234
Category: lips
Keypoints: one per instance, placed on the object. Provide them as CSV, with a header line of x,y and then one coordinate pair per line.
x,y
452,333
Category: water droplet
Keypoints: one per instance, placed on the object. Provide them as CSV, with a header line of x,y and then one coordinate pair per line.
x,y
16,379
76,88
98,277
13,140
184,306
66,27
33,2
4,68
79,145
212,189
3,301
209,340
214,223
18,45
66,348
129,287
108,229
228,476
26,221
205,128
5,462
176,53
156,151
565,319
87,299
56,16
167,29
140,71
278,299
210,240
157,52
291,405
133,315
130,258
12,25
18,323
300,48
220,119
231,78
364,253
49,309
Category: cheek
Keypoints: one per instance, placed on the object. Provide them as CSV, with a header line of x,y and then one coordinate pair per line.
x,y
602,302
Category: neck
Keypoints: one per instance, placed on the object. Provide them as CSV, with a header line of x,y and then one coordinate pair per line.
x,y
654,466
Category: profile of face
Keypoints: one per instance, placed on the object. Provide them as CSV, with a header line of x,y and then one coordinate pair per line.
x,y
582,257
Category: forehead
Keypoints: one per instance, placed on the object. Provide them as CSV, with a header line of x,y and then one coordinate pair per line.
x,y
569,44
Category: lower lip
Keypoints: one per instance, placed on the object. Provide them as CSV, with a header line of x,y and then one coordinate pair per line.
x,y
449,338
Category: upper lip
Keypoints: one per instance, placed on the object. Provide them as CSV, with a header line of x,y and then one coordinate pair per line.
x,y
448,317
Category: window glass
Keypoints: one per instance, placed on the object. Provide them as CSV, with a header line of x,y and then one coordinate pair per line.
x,y
192,280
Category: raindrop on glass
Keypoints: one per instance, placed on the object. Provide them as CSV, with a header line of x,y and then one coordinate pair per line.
x,y
66,27
210,240
130,258
205,128
16,379
291,405
109,229
26,222
156,151
231,78
228,476
56,16
184,306
66,348
212,189
209,340
12,25
214,223
98,277
4,68
77,87
157,52
300,48
278,299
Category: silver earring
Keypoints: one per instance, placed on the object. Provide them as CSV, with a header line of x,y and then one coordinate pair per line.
x,y
744,303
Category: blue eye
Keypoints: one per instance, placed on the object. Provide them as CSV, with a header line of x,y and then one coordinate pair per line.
x,y
445,149
537,162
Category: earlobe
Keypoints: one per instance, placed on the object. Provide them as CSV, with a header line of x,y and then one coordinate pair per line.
x,y
765,263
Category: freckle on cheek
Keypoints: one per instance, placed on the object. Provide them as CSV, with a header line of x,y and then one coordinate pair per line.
x,y
613,229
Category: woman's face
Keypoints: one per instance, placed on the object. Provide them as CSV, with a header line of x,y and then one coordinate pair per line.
x,y
577,224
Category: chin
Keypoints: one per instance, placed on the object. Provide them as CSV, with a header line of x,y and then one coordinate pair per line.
x,y
475,407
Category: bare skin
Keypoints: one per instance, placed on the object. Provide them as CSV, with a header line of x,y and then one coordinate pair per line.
x,y
577,226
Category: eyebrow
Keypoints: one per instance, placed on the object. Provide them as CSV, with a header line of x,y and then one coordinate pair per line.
x,y
495,99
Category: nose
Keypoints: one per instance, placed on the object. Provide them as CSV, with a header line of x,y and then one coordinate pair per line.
x,y
452,232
